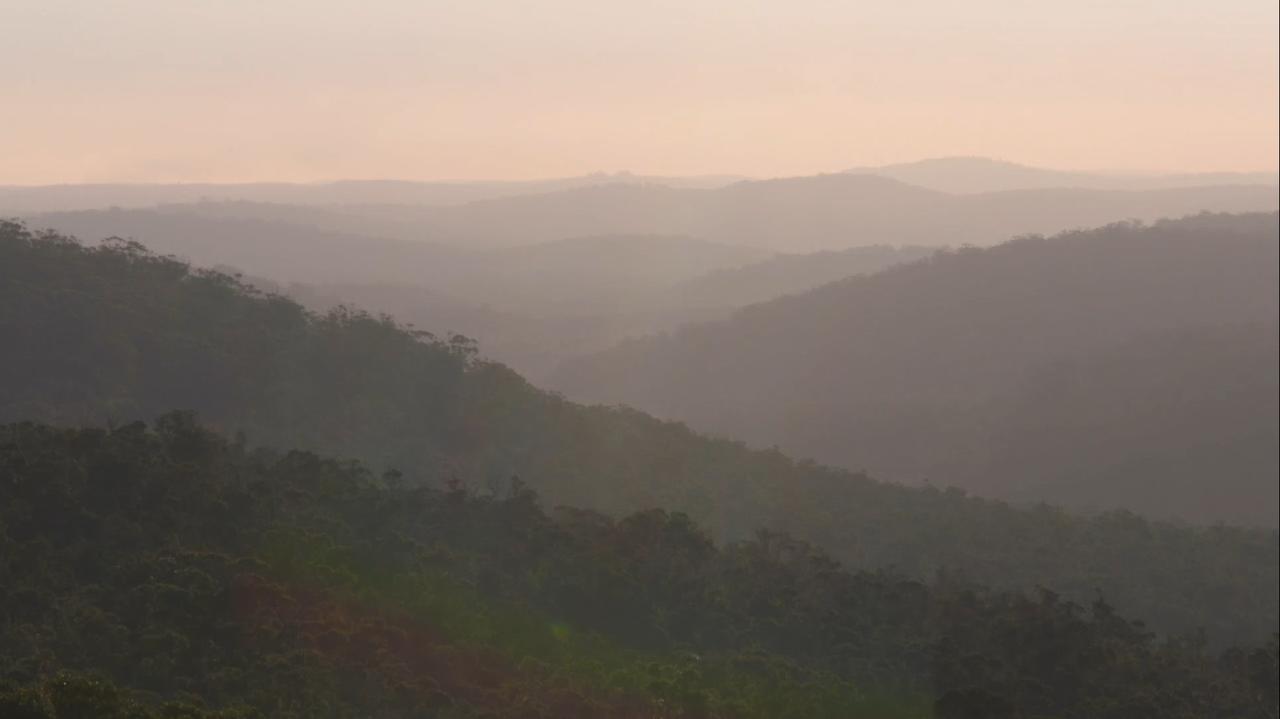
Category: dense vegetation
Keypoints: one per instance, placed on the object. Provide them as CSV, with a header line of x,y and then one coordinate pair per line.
x,y
208,579
1129,366
114,333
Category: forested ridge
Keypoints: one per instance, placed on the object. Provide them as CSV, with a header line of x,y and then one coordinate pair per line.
x,y
171,572
115,333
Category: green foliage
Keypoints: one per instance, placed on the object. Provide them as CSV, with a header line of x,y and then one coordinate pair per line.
x,y
203,574
114,334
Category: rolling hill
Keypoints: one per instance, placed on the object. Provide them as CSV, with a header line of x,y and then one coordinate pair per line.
x,y
801,214
1040,368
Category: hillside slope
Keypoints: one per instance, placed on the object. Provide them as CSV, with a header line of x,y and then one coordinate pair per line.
x,y
942,370
796,214
194,577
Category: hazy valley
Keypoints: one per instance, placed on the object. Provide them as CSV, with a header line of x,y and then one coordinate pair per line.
x,y
922,365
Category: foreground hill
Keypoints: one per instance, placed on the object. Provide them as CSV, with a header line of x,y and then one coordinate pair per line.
x,y
114,333
965,175
199,579
1127,366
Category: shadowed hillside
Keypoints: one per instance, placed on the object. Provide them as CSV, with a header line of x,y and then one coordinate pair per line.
x,y
805,214
1127,366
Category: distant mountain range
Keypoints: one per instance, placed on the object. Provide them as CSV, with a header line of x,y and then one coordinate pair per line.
x,y
801,214
957,175
941,202
21,200
967,175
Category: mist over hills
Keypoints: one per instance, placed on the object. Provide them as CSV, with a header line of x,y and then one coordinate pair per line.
x,y
532,342
297,244
62,198
938,369
608,272
955,175
529,306
542,277
806,213
801,214
785,274
966,175
573,308
115,333
312,251
925,364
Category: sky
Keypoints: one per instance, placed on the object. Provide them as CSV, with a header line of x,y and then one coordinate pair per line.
x,y
314,90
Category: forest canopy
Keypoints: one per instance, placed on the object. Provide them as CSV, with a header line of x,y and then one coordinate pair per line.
x,y
167,571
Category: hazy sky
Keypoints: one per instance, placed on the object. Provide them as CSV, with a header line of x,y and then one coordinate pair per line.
x,y
223,90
